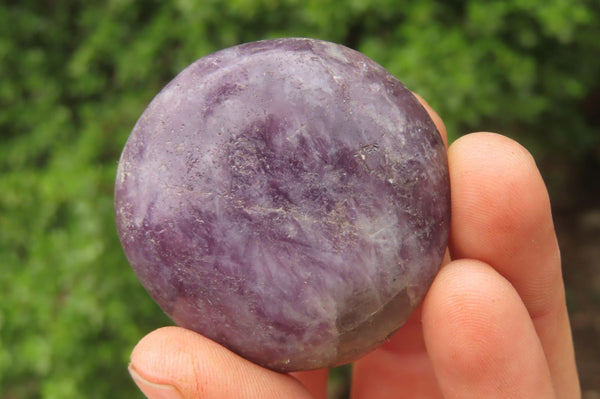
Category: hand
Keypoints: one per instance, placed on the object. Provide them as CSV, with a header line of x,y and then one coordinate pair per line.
x,y
493,325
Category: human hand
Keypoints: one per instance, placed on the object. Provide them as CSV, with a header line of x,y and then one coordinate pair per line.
x,y
493,324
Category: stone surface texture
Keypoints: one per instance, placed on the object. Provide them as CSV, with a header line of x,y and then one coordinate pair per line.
x,y
286,198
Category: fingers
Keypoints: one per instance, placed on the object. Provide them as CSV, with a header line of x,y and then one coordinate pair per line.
x,y
481,340
315,381
173,362
400,368
501,215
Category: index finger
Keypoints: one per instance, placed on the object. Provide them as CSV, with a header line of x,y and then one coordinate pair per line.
x,y
501,215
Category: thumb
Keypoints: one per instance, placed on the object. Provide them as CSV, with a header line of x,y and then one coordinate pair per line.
x,y
173,362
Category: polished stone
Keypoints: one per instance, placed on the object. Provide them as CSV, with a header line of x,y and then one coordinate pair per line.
x,y
286,198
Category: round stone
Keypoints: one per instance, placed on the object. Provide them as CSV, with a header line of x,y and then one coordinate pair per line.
x,y
286,198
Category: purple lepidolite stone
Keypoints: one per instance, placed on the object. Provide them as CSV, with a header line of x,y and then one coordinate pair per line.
x,y
286,198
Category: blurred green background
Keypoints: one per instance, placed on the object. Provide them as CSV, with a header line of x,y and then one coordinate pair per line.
x,y
75,76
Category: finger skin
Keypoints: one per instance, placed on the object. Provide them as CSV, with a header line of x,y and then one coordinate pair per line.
x,y
501,215
315,381
499,198
399,369
480,338
197,367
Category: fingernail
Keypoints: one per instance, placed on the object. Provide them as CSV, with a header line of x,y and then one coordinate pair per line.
x,y
153,390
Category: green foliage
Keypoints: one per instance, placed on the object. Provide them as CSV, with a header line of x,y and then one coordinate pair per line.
x,y
74,77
